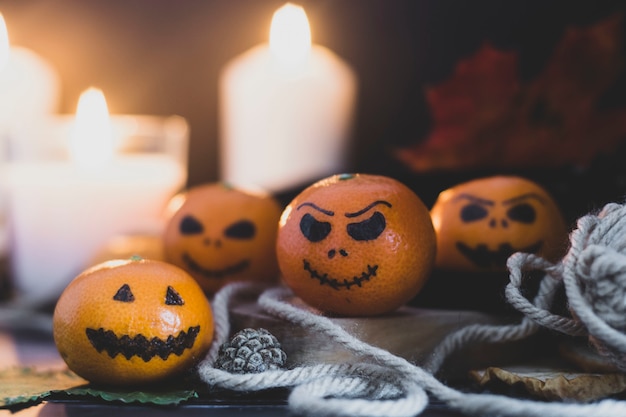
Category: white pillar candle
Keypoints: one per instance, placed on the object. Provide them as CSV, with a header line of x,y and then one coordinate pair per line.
x,y
29,90
29,85
63,212
286,109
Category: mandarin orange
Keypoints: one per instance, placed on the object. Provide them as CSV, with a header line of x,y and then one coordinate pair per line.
x,y
221,234
132,322
356,245
481,222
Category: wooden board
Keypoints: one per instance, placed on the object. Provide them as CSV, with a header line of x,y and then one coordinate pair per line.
x,y
411,333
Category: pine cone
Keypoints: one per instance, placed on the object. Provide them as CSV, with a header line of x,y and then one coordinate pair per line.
x,y
251,351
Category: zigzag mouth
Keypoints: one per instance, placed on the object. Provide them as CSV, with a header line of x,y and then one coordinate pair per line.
x,y
215,273
141,346
484,257
337,284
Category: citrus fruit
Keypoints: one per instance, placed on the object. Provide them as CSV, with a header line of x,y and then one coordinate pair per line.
x,y
480,223
132,322
221,234
356,244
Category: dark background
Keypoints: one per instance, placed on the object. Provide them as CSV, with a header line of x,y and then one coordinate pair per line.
x,y
164,57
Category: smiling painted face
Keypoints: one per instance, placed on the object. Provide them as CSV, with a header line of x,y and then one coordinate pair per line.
x,y
132,322
481,223
141,345
358,245
221,234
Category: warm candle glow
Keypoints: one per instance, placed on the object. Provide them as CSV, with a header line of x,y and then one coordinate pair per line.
x,y
91,144
286,109
4,43
290,35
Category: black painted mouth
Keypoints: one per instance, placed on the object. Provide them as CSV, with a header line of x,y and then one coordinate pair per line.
x,y
482,257
141,346
337,284
215,273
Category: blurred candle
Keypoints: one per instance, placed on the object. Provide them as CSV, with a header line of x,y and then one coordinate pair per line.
x,y
29,90
286,109
29,85
4,43
63,212
91,141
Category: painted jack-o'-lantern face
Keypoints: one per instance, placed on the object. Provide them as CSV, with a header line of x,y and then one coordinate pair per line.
x,y
132,322
357,245
221,234
480,223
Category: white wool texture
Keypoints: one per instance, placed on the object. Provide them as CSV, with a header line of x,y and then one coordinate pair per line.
x,y
593,274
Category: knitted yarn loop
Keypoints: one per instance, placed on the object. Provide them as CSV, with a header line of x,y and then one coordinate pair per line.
x,y
382,384
593,273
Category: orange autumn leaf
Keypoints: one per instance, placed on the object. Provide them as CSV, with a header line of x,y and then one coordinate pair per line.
x,y
484,115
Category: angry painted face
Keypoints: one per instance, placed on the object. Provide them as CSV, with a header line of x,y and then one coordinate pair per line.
x,y
316,224
355,245
221,234
481,223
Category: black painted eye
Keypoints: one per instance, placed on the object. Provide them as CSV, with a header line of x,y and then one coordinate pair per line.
x,y
191,226
368,229
473,212
523,213
243,229
124,294
313,229
172,298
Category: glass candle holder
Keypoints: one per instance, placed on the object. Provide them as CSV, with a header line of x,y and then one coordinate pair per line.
x,y
60,213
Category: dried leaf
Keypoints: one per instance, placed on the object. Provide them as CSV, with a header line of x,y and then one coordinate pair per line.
x,y
166,397
23,387
485,116
554,384
27,385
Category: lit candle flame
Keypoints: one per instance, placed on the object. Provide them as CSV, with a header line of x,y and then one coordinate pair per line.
x,y
91,143
4,43
290,35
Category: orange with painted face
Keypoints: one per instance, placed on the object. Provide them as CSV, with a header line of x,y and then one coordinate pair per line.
x,y
356,245
132,322
480,223
222,234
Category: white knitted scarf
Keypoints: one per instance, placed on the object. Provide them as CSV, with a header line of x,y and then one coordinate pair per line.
x,y
593,274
